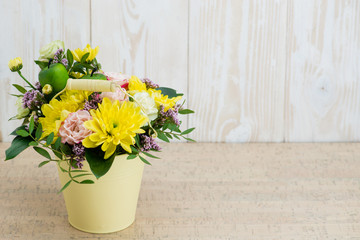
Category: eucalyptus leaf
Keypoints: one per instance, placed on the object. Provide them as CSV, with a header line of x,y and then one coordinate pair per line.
x,y
38,132
150,155
84,57
65,186
50,138
22,127
186,111
43,163
22,133
57,143
162,136
41,64
31,125
87,181
20,88
42,152
33,143
144,160
131,156
187,131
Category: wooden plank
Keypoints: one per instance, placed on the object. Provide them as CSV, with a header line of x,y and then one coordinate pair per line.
x,y
323,90
263,192
236,70
143,38
28,26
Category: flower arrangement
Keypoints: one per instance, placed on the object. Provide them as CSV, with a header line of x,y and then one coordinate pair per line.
x,y
91,124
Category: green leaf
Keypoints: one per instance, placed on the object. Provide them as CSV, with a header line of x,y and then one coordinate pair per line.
x,y
174,127
78,171
176,136
186,111
78,68
31,125
41,64
57,143
132,156
98,165
42,152
187,131
58,155
81,175
137,140
168,135
50,138
16,95
133,149
65,186
144,160
162,136
84,57
38,132
65,149
87,181
169,92
150,155
22,127
18,145
20,88
70,58
189,139
43,163
33,143
22,133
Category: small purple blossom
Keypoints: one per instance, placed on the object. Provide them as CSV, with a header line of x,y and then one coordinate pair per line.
x,y
93,103
170,114
64,62
38,86
148,143
79,151
149,83
33,99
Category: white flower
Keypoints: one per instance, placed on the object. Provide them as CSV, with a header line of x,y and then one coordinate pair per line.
x,y
147,104
21,112
48,51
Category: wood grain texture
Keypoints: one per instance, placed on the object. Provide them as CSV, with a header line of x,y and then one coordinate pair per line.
x,y
323,78
236,70
206,191
29,25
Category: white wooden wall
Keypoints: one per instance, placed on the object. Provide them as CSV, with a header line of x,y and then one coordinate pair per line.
x,y
254,71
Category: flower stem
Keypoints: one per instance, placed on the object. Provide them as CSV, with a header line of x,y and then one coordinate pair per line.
x,y
26,80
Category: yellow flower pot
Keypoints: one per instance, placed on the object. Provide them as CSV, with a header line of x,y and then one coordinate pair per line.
x,y
108,205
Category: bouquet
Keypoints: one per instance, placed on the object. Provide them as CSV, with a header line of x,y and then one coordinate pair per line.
x,y
76,112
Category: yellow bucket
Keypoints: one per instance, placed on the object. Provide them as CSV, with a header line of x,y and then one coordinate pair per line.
x,y
108,205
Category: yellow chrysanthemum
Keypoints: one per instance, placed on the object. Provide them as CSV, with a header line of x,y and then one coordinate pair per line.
x,y
164,100
55,113
136,85
77,96
78,53
15,64
114,124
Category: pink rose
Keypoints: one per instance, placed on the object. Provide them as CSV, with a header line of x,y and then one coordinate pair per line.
x,y
121,79
72,129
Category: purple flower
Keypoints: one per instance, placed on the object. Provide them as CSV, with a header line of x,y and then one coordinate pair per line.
x,y
149,83
148,143
33,99
64,62
38,86
93,103
79,150
170,114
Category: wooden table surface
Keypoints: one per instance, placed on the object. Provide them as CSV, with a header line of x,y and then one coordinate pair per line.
x,y
206,191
